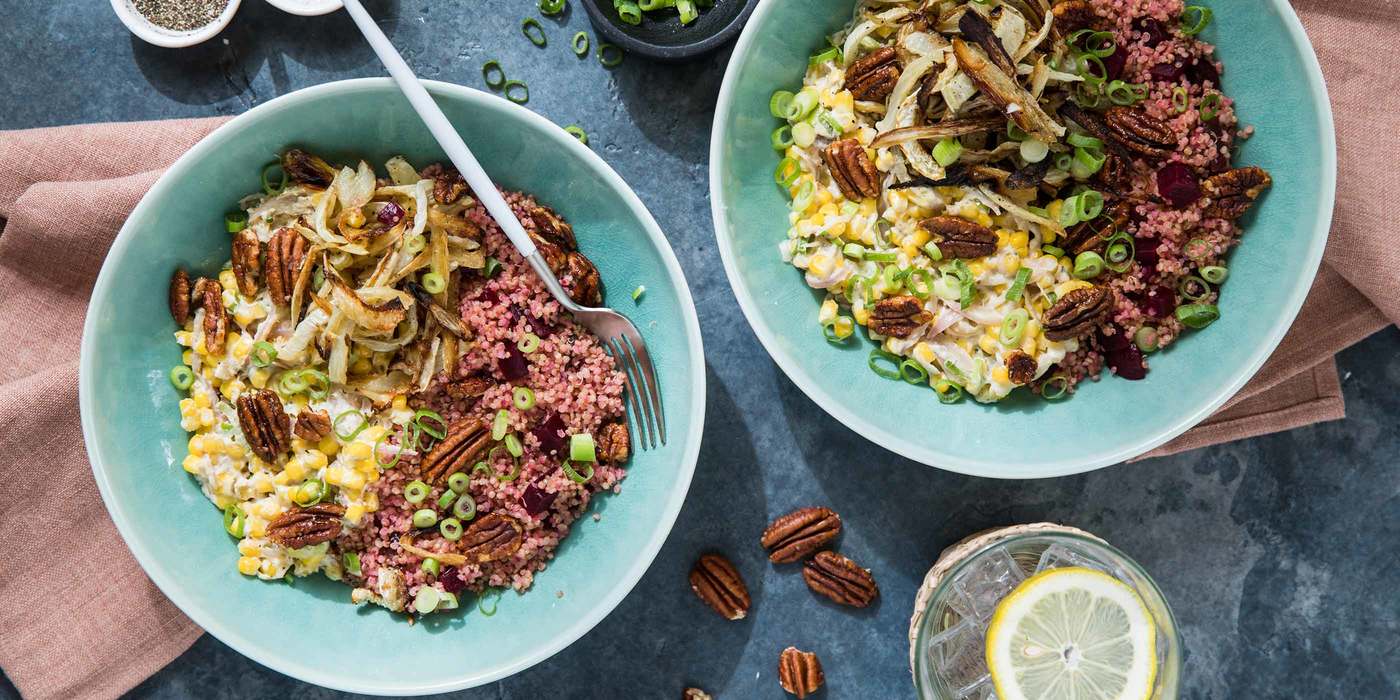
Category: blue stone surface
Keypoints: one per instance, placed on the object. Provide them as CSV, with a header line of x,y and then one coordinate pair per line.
x,y
1277,553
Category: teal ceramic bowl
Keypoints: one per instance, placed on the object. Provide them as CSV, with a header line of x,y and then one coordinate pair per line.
x,y
1271,72
310,630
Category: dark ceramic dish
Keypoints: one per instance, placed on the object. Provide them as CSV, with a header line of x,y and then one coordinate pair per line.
x,y
661,35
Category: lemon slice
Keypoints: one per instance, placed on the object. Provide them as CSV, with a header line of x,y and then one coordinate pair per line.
x,y
1072,633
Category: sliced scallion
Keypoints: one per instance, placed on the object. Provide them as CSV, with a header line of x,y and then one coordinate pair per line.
x,y
532,30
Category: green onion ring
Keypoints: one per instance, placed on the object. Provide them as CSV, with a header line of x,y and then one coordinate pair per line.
x,y
580,44
513,446
1197,315
609,55
364,423
537,37
876,356
317,379
1055,388
787,172
552,7
1215,274
464,508
235,221
351,562
263,353
948,392
521,93
1089,205
234,520
1193,288
481,602
1210,107
528,343
424,414
1013,327
827,55
780,104
1018,285
1120,255
458,482
267,186
424,518
1181,100
1051,250
913,372
433,283
1197,249
523,398
493,67
782,137
182,377
924,289
1084,141
1146,339
500,424
629,12
451,529
1088,265
446,499
292,383
577,132
415,491
398,450
1191,26
309,493
573,474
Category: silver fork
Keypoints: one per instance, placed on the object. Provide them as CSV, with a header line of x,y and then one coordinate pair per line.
x,y
619,337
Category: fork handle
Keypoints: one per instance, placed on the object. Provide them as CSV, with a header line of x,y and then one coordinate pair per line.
x,y
450,140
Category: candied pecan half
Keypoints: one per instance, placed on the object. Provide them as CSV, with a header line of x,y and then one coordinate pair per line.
x,y
1140,132
840,579
695,694
873,77
469,387
265,425
211,299
304,527
180,297
614,445
718,584
1077,313
1115,175
800,672
492,537
307,169
1021,367
552,227
799,533
897,317
960,238
588,285
246,249
852,170
1074,15
312,426
448,185
467,439
1091,235
554,256
286,254
1233,192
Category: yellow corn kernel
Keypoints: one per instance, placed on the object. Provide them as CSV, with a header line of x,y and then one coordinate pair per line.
x,y
1033,328
1067,263
1003,237
910,250
187,357
374,432
265,509
400,403
207,417
284,479
1010,264
1047,236
978,268
354,481
838,228
315,459
1064,288
259,376
1000,375
819,265
862,316
197,445
328,445
1020,240
1028,345
257,527
228,281
827,314
248,566
201,399
918,237
359,450
823,197
865,135
335,476
232,389
300,400
844,100
361,366
295,469
988,343
242,347
830,209
187,407
191,464
923,353
247,548
262,483
1054,209
268,568
184,338
355,513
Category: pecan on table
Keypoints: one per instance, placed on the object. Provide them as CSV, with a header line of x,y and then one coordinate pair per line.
x,y
1233,192
898,317
490,538
852,170
551,227
872,78
467,439
265,425
718,584
448,185
304,527
312,426
211,298
799,533
180,297
286,254
614,443
840,579
695,694
959,238
1140,132
307,169
1077,313
1021,368
1074,15
1092,234
800,672
246,249
588,285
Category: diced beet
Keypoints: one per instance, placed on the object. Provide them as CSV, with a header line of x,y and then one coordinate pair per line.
x,y
537,326
1178,185
1161,302
490,296
1115,63
1146,253
1115,342
1203,70
536,500
1156,33
391,214
548,432
513,366
451,580
1127,362
1167,72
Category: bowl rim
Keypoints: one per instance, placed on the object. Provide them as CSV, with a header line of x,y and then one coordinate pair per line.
x,y
149,32
604,25
972,466
211,621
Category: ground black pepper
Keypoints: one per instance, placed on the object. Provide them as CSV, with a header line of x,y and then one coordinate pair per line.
x,y
180,15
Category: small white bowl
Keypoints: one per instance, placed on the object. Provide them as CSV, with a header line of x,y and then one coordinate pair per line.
x,y
152,33
306,8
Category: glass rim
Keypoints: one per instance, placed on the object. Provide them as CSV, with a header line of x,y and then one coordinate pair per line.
x,y
921,635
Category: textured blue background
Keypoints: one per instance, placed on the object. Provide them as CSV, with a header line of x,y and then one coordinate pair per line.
x,y
1277,553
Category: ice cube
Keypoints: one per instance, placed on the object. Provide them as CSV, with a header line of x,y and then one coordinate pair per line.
x,y
959,659
1059,555
982,690
979,587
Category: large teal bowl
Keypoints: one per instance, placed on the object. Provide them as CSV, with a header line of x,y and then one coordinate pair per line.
x,y
1270,69
310,630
